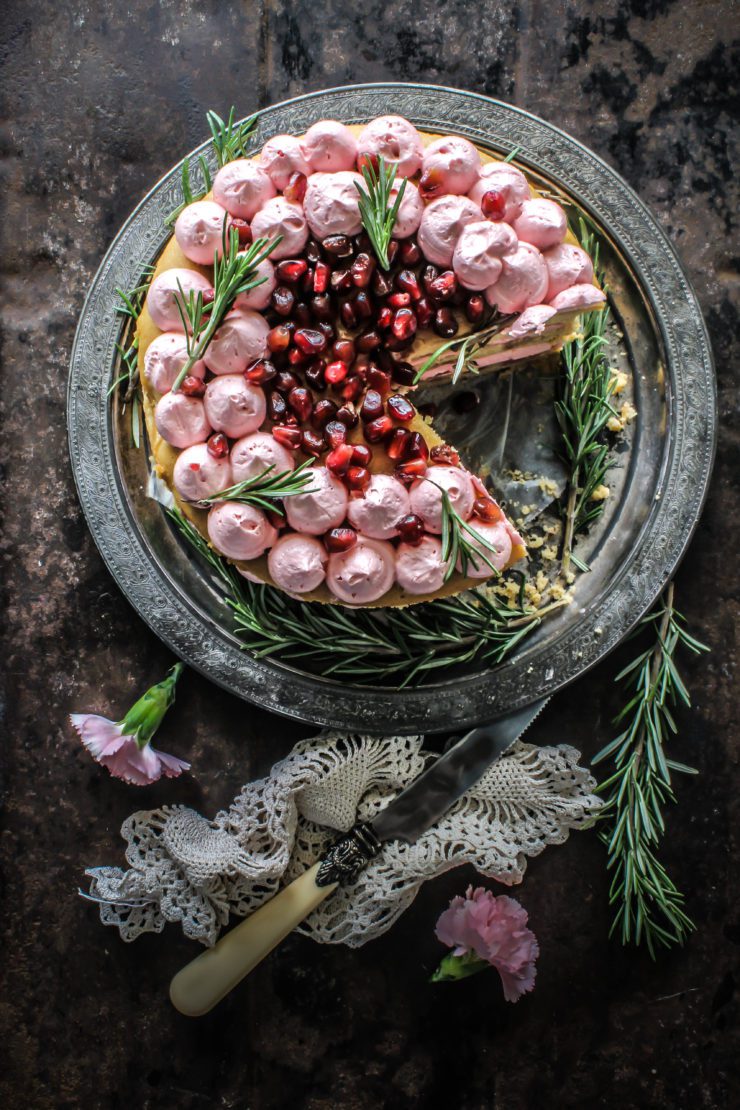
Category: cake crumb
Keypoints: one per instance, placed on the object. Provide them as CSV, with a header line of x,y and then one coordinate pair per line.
x,y
600,493
619,379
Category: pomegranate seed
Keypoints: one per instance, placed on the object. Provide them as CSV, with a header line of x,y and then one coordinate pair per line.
x,y
336,372
344,349
310,342
424,312
341,281
339,459
192,386
282,300
335,432
410,252
340,539
285,381
443,455
485,508
409,471
411,529
352,388
348,314
218,445
443,287
208,295
493,204
278,339
326,330
291,269
429,274
404,324
260,372
404,373
445,323
392,251
378,429
314,374
323,411
363,307
408,282
307,281
400,409
362,270
368,341
347,414
320,305
321,276
431,184
275,519
295,190
361,366
357,477
313,443
385,318
277,407
396,445
370,161
381,284
302,315
301,402
399,300
361,455
372,406
313,252
475,308
379,379
297,357
418,447
338,245
244,231
287,437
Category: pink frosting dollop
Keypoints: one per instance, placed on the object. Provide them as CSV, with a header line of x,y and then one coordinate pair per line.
x,y
426,495
281,157
523,281
329,146
181,420
378,509
331,203
239,531
442,224
164,359
420,569
199,231
578,296
259,296
240,341
567,265
321,506
477,256
542,223
498,536
455,163
532,321
395,140
410,210
504,178
234,406
362,574
198,474
241,187
164,295
297,563
252,455
281,217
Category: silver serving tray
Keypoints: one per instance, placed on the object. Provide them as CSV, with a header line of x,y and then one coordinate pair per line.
x,y
658,488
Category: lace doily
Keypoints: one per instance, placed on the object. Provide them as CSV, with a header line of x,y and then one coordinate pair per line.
x,y
188,869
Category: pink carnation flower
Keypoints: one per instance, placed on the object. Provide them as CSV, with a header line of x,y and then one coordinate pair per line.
x,y
495,930
124,747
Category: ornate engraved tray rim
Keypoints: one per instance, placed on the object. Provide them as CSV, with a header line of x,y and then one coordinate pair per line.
x,y
681,484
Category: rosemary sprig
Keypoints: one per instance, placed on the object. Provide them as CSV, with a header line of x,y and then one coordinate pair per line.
x,y
583,411
266,490
648,905
455,544
133,299
510,157
229,141
128,352
188,196
468,346
233,273
378,216
400,647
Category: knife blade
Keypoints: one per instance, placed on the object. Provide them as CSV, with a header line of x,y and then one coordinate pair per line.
x,y
202,983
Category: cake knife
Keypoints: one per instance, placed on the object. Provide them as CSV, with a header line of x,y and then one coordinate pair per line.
x,y
202,983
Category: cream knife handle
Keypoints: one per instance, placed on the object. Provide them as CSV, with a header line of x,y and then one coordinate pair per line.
x,y
209,977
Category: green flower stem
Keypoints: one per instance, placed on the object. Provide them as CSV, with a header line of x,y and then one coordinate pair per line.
x,y
146,715
458,967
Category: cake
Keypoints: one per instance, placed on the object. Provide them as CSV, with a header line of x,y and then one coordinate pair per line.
x,y
318,362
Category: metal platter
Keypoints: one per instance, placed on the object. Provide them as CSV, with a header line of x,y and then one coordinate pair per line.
x,y
658,487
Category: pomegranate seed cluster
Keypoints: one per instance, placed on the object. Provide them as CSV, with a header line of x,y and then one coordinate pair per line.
x,y
313,362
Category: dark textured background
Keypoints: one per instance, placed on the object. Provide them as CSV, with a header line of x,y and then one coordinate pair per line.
x,y
98,101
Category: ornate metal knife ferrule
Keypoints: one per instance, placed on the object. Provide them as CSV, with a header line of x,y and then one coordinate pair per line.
x,y
348,855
